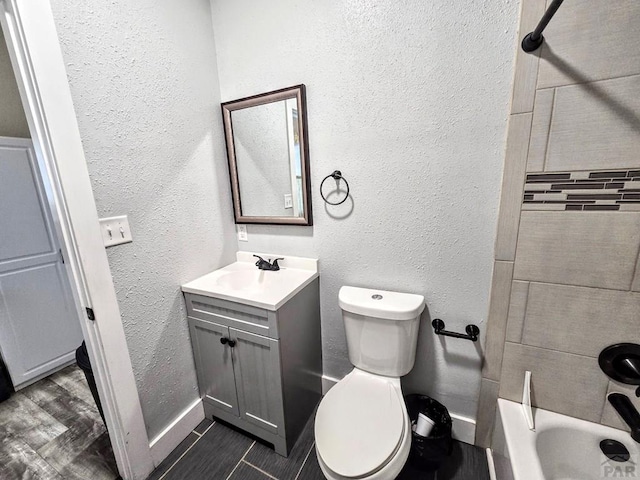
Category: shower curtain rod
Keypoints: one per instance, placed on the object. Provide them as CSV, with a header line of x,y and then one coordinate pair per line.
x,y
534,39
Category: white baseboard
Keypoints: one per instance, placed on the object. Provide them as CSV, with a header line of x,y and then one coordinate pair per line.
x,y
327,383
492,466
464,428
167,440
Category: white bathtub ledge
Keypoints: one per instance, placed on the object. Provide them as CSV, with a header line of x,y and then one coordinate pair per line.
x,y
561,447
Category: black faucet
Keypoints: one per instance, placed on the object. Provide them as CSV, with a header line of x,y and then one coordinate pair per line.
x,y
263,264
628,412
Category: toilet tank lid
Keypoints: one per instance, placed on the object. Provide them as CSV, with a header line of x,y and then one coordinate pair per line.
x,y
380,303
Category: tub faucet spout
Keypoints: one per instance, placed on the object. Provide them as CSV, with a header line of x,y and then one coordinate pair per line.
x,y
628,412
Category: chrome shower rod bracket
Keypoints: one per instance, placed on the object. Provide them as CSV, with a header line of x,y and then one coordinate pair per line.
x,y
532,41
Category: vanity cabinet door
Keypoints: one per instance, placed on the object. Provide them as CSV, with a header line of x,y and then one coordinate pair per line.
x,y
256,361
214,365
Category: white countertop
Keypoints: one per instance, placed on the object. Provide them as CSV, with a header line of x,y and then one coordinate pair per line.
x,y
242,282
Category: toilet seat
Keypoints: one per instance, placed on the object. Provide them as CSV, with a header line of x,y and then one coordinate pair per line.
x,y
360,424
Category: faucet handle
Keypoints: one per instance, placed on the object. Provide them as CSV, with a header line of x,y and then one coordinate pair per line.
x,y
275,262
261,261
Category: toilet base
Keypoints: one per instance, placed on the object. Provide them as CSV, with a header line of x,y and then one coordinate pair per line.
x,y
390,471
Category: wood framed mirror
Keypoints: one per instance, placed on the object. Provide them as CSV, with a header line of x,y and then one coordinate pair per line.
x,y
268,153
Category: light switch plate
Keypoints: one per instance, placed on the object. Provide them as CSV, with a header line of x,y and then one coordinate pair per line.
x,y
115,230
288,200
242,233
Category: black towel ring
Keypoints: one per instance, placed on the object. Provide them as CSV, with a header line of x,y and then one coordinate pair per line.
x,y
336,175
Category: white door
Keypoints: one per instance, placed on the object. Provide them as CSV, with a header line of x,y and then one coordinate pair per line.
x,y
39,329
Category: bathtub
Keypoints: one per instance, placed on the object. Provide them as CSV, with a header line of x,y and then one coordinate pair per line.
x,y
561,448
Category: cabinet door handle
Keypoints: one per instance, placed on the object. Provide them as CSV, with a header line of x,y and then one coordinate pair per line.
x,y
227,341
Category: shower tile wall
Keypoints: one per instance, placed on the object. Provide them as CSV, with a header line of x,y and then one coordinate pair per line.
x,y
566,271
583,191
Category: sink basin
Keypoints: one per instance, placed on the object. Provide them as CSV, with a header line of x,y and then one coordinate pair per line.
x,y
242,282
245,279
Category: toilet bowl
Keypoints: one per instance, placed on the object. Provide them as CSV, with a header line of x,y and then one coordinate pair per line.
x,y
362,428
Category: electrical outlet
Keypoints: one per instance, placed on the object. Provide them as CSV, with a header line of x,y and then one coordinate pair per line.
x,y
115,231
242,233
288,200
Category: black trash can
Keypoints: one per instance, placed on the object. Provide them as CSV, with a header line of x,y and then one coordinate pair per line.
x,y
6,387
428,453
82,359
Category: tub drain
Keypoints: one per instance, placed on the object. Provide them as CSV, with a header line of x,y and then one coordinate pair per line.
x,y
614,450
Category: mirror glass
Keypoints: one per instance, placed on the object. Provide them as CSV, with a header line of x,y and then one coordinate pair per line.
x,y
268,157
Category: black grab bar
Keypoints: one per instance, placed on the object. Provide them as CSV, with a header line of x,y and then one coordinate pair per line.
x,y
472,331
533,40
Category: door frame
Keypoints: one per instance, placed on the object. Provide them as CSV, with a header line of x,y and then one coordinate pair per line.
x,y
36,57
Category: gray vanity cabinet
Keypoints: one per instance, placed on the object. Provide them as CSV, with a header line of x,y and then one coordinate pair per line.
x,y
265,374
256,362
214,365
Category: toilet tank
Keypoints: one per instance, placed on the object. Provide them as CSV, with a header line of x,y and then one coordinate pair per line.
x,y
381,328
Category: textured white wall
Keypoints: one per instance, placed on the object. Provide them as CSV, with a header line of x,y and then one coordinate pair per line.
x,y
13,122
410,101
144,83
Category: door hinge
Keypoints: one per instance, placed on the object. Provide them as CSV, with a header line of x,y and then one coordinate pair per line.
x,y
90,314
61,256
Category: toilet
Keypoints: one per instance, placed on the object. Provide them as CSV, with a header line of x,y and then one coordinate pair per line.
x,y
362,429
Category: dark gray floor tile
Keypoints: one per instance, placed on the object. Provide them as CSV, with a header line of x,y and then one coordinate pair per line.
x,y
64,407
21,418
247,472
173,456
266,459
64,449
73,380
467,462
311,469
71,411
204,424
96,462
410,473
213,456
18,461
43,391
51,432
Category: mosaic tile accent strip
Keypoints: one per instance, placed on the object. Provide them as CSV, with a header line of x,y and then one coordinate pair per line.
x,y
584,191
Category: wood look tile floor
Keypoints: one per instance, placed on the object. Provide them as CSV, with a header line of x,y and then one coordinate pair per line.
x,y
217,451
52,430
